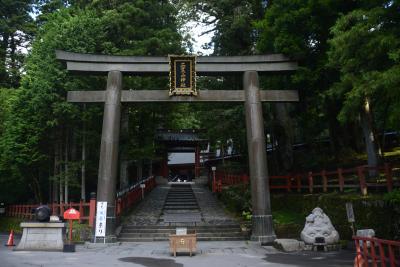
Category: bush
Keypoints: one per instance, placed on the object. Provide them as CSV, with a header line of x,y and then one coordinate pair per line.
x,y
379,212
10,223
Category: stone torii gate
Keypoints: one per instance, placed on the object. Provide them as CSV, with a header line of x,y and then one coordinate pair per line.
x,y
251,95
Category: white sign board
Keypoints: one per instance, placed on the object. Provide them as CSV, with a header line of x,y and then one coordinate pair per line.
x,y
101,216
350,212
181,231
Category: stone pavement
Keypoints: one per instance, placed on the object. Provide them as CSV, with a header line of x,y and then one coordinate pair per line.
x,y
211,209
148,211
154,254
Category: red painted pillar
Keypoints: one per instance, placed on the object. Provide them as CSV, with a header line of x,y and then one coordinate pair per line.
x,y
197,162
92,209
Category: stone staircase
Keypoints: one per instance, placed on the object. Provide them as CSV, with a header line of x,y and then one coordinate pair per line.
x,y
145,233
197,210
181,199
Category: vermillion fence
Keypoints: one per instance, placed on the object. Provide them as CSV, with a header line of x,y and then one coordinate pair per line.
x,y
376,252
125,199
361,177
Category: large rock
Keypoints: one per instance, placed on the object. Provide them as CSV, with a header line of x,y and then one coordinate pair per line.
x,y
289,245
318,225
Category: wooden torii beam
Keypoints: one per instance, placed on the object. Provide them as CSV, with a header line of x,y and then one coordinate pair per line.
x,y
251,95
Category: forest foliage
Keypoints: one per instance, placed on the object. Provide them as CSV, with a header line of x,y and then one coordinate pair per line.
x,y
348,81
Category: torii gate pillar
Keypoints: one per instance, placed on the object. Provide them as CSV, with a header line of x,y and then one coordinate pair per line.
x,y
108,164
262,228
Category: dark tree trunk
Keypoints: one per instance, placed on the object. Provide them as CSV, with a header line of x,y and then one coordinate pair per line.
x,y
369,136
284,136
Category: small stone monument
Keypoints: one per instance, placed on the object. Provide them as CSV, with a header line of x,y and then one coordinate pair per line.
x,y
42,235
318,230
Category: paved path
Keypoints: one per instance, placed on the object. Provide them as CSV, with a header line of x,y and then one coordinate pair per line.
x,y
156,254
211,209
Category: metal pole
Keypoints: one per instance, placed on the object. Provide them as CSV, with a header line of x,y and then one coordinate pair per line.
x,y
106,185
262,227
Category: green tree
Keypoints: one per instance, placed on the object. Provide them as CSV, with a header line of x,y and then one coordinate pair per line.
x,y
300,29
17,29
37,142
365,48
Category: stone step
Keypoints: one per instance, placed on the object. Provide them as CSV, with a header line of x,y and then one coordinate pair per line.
x,y
177,207
205,234
169,204
180,201
169,231
147,239
172,228
155,226
180,197
181,204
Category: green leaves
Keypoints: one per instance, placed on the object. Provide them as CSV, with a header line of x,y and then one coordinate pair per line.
x,y
364,48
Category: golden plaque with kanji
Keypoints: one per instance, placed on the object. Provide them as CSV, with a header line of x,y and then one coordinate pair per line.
x,y
182,75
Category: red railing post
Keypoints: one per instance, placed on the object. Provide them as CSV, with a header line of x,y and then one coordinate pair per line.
x,y
363,184
62,208
81,209
341,179
288,183
310,182
92,209
324,181
119,207
389,177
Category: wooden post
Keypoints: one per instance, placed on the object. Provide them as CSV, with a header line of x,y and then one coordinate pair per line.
x,y
80,210
298,182
61,208
341,179
389,177
119,207
324,181
310,182
214,182
363,184
289,183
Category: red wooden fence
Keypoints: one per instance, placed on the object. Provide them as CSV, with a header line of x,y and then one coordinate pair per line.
x,y
133,195
376,252
125,200
341,178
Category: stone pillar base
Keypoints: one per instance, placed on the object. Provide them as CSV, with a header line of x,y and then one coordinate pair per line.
x,y
262,229
40,236
107,239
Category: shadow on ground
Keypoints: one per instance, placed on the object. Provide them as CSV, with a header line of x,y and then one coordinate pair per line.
x,y
152,262
314,259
